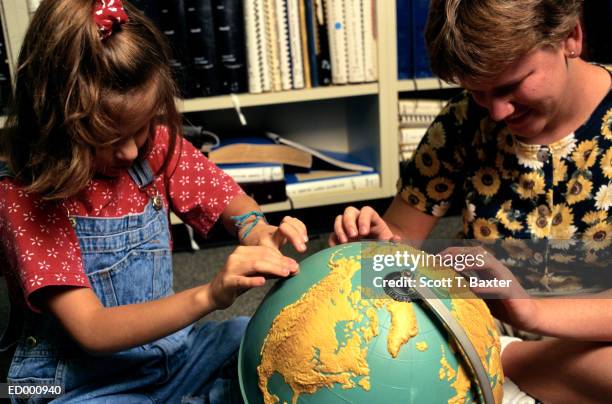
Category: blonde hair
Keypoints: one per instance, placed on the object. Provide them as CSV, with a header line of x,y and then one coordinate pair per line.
x,y
65,78
481,38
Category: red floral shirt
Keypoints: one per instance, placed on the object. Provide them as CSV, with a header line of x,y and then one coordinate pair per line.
x,y
39,246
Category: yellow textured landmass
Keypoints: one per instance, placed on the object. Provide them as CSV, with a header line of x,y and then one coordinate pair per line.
x,y
365,383
421,346
484,337
310,361
403,325
446,370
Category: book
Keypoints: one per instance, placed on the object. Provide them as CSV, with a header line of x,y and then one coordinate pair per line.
x,y
322,44
322,174
254,172
205,77
257,68
340,160
230,45
354,41
419,112
311,41
297,188
415,116
272,46
304,44
370,41
266,191
336,30
284,45
151,9
258,150
172,24
404,39
5,77
420,58
295,41
410,138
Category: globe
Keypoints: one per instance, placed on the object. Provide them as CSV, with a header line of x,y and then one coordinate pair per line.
x,y
324,336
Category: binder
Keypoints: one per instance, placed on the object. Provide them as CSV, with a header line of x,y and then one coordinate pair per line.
x,y
205,80
421,67
338,51
370,41
230,45
354,41
404,39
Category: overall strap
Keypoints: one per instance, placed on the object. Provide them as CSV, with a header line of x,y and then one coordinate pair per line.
x,y
13,328
141,173
10,335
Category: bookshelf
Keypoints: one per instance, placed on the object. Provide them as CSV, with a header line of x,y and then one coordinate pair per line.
x,y
359,118
423,84
279,97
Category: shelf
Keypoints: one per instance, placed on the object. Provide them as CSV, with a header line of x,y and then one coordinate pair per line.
x,y
336,198
316,200
423,84
280,97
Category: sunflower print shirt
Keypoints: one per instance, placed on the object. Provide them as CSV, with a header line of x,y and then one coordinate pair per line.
x,y
515,194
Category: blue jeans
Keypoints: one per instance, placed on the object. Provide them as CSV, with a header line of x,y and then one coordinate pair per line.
x,y
128,260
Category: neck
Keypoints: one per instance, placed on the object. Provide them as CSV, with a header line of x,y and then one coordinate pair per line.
x,y
586,88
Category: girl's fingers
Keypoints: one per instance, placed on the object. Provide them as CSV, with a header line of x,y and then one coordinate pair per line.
x,y
275,267
292,231
243,282
299,225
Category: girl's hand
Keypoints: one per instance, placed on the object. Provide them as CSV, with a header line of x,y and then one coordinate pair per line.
x,y
248,267
507,300
290,229
355,224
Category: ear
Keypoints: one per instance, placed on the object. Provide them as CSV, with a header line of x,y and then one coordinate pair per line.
x,y
572,45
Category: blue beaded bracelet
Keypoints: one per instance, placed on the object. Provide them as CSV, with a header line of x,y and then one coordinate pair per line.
x,y
240,221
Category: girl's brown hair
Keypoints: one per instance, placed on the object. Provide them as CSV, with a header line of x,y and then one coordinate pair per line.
x,y
479,39
65,78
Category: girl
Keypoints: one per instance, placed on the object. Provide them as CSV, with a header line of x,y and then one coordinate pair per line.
x,y
94,162
527,151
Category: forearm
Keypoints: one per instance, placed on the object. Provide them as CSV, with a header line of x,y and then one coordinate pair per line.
x,y
585,319
240,205
407,222
102,330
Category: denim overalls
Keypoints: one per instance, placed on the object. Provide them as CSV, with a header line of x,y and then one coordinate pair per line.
x,y
128,260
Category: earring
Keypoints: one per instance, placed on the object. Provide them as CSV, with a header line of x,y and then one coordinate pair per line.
x,y
572,54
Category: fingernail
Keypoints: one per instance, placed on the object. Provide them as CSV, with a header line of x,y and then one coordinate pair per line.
x,y
305,238
362,229
353,232
302,247
286,271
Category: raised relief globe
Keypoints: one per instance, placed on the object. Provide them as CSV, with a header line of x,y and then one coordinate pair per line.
x,y
325,337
